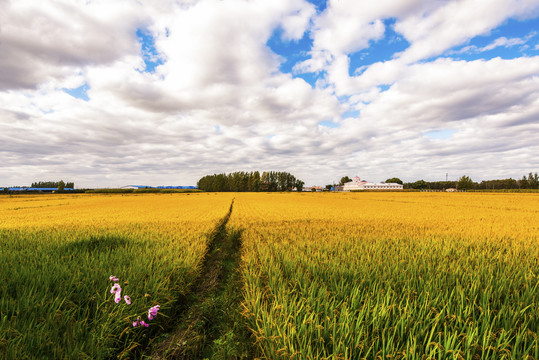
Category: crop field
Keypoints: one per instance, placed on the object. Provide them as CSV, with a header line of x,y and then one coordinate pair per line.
x,y
56,256
323,275
391,275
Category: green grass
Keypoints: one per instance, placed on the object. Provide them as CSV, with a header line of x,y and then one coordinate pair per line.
x,y
54,291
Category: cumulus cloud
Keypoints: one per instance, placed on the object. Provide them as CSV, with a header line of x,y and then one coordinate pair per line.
x,y
218,99
49,41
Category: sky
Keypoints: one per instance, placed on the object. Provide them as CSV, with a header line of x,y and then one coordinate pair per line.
x,y
112,93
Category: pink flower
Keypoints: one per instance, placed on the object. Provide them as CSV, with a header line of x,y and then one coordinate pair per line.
x,y
152,312
113,278
115,289
117,297
127,300
142,323
136,322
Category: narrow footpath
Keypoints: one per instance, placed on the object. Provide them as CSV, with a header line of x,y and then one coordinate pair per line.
x,y
211,326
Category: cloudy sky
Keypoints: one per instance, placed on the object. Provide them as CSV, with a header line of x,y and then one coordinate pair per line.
x,y
111,93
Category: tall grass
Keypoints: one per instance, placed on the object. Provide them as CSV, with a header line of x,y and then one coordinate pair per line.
x,y
406,276
57,253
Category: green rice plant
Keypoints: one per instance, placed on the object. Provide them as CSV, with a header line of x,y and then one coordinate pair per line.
x,y
55,263
400,276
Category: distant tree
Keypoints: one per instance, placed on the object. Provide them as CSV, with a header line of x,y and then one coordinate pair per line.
x,y
344,180
465,183
533,181
256,181
523,183
244,181
61,185
51,184
299,185
329,186
394,180
420,184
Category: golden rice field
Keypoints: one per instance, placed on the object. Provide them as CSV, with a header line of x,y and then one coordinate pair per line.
x,y
58,251
391,275
325,275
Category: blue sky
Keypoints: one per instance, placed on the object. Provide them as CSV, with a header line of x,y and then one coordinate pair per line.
x,y
166,93
524,33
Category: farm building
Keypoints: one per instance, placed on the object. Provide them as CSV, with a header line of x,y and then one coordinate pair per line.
x,y
358,184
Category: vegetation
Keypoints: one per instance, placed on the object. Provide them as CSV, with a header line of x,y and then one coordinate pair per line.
x,y
394,180
391,275
54,272
53,184
250,181
344,180
465,183
305,276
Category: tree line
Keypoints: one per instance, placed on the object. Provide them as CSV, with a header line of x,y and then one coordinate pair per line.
x,y
531,181
53,184
241,181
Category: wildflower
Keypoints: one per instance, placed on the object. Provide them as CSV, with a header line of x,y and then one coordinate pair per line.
x,y
152,312
113,278
127,300
117,297
115,289
136,322
142,323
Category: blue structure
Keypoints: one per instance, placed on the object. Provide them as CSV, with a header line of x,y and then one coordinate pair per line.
x,y
36,189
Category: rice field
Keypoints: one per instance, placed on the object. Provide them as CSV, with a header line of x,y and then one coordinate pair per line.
x,y
58,251
325,275
391,275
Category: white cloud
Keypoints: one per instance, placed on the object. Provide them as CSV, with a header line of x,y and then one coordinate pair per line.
x,y
447,26
219,101
499,42
50,41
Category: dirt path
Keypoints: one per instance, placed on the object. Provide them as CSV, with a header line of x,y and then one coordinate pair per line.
x,y
211,326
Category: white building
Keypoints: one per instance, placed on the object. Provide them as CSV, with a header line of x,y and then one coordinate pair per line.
x,y
358,184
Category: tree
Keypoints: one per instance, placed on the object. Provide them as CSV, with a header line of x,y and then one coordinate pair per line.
x,y
256,181
299,185
465,183
533,181
344,180
394,180
244,181
61,185
419,184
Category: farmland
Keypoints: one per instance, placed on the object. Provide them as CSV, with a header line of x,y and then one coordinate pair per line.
x,y
57,253
336,276
384,275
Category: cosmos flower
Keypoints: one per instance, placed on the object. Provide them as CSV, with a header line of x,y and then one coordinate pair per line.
x,y
116,289
113,278
127,300
152,312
